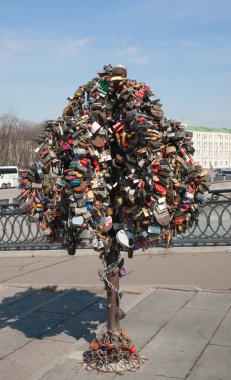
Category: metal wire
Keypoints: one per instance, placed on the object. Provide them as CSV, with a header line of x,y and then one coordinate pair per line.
x,y
112,353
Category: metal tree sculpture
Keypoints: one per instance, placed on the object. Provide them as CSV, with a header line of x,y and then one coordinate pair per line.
x,y
113,174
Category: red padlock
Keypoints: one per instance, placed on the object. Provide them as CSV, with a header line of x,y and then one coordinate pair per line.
x,y
140,119
155,178
83,162
156,163
43,226
96,164
183,151
139,94
147,89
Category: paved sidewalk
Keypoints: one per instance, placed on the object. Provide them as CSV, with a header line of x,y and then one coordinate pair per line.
x,y
191,268
176,308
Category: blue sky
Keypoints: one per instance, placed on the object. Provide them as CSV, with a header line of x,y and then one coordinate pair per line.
x,y
180,47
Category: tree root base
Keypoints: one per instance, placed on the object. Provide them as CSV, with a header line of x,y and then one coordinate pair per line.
x,y
112,353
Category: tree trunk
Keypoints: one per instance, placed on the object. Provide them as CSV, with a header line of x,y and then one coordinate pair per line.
x,y
113,317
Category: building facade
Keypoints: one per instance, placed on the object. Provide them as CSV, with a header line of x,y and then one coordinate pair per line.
x,y
212,146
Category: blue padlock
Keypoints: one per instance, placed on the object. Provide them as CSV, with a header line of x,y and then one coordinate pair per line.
x,y
76,182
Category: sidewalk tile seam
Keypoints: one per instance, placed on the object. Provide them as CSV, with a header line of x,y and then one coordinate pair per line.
x,y
18,300
207,344
39,336
220,345
16,349
40,305
173,315
71,316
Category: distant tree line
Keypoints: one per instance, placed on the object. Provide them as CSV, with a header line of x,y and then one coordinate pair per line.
x,y
17,141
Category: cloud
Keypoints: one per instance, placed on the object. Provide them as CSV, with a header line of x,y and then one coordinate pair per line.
x,y
12,44
70,46
133,54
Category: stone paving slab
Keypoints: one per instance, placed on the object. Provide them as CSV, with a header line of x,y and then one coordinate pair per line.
x,y
73,303
183,333
22,301
150,315
223,334
83,325
174,329
180,341
214,364
210,301
69,367
175,349
201,270
18,267
6,294
11,340
32,356
81,312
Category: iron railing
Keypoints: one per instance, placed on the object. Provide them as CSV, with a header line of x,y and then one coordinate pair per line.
x,y
221,178
17,232
212,227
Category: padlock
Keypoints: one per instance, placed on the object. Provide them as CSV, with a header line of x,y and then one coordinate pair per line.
x,y
114,139
122,272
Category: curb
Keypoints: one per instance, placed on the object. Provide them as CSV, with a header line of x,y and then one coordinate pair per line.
x,y
90,252
132,289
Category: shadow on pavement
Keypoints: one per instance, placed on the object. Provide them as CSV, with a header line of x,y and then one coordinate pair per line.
x,y
51,313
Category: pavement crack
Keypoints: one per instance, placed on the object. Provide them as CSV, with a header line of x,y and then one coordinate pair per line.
x,y
29,264
35,270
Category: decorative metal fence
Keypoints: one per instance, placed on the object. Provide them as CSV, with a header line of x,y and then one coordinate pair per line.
x,y
17,232
221,178
213,227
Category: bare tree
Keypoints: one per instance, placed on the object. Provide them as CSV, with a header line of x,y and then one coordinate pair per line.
x,y
17,140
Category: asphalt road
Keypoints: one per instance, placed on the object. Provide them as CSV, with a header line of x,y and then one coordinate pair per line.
x,y
8,193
